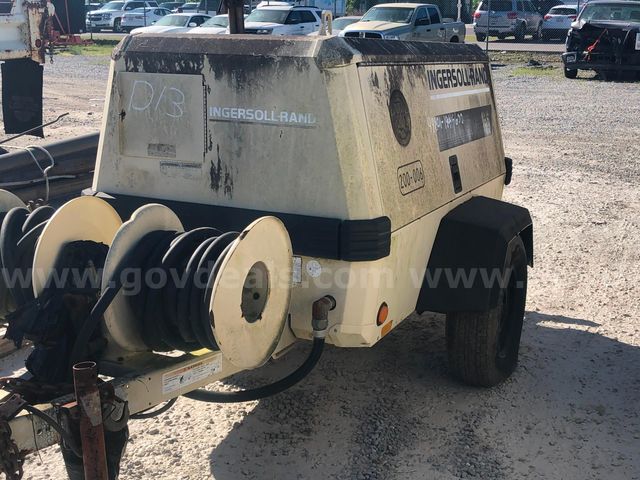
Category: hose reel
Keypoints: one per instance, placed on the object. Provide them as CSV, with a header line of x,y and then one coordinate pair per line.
x,y
8,201
164,289
20,229
225,291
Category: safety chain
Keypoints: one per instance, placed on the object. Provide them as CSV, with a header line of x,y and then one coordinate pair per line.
x,y
35,392
11,460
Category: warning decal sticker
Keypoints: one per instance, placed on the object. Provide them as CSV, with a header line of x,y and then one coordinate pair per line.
x,y
190,374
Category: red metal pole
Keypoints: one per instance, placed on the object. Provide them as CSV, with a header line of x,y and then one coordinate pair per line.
x,y
94,456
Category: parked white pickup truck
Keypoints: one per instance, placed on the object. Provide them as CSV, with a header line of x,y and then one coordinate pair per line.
x,y
406,21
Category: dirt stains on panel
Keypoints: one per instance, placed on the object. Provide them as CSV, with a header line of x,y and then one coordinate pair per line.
x,y
209,141
396,75
188,64
220,177
375,82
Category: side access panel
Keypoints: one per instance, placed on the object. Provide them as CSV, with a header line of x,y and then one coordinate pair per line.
x,y
444,139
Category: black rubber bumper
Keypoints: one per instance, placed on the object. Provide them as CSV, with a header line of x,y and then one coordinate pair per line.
x,y
576,61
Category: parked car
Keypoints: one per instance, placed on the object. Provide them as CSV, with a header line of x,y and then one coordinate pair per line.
x,y
198,7
543,6
213,26
175,23
142,17
604,38
339,24
187,7
558,21
282,20
171,5
90,7
110,15
515,18
406,21
274,3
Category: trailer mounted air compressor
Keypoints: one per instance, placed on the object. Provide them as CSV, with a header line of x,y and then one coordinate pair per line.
x,y
251,192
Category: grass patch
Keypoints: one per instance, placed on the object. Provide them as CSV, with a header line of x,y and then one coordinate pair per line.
x,y
545,71
96,49
525,57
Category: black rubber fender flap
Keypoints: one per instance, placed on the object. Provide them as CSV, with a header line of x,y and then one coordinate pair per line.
x,y
468,255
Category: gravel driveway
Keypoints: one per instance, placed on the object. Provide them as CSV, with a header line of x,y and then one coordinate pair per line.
x,y
570,411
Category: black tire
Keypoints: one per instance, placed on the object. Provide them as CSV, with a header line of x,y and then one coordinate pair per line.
x,y
501,36
481,37
116,26
570,73
520,32
537,35
454,40
546,36
483,346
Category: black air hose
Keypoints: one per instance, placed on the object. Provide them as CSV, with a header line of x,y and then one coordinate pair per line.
x,y
320,321
266,390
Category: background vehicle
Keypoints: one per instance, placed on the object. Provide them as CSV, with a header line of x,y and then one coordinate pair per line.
x,y
142,17
110,15
406,21
558,21
605,38
339,24
90,7
175,23
336,7
188,7
215,25
543,6
281,20
210,7
515,18
171,5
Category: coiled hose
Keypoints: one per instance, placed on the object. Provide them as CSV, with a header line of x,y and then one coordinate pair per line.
x,y
174,312
19,233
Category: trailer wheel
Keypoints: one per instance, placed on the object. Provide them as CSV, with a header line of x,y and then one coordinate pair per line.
x,y
480,37
570,73
483,346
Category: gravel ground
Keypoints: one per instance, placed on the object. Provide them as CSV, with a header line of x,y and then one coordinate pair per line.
x,y
76,85
570,410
